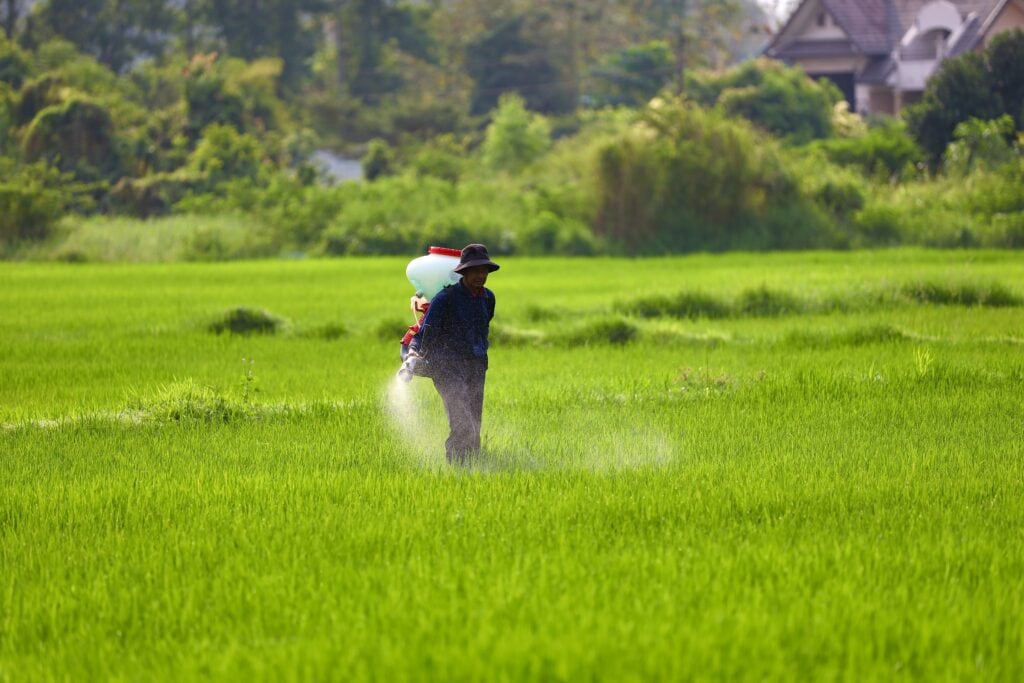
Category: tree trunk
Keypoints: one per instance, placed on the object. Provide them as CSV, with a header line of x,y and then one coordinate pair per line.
x,y
190,44
10,18
341,49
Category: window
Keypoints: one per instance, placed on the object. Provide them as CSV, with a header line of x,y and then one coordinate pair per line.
x,y
822,20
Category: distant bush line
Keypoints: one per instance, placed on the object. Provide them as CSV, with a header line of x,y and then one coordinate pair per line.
x,y
758,157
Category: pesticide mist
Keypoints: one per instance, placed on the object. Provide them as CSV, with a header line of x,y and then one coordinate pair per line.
x,y
613,439
419,426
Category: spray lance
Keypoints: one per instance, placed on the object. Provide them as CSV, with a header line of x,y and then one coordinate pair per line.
x,y
429,275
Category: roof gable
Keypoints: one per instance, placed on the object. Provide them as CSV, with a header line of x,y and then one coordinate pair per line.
x,y
872,25
875,27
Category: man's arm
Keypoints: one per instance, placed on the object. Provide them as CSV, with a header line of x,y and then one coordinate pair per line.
x,y
431,324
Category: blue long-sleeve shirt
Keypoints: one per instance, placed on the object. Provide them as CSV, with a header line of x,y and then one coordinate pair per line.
x,y
456,326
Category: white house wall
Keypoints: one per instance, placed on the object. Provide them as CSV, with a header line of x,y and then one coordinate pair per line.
x,y
912,75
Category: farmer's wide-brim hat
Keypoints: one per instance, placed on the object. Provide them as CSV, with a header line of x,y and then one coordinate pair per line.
x,y
474,255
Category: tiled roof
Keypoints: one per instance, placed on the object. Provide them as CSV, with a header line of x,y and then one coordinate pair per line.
x,y
968,39
867,22
876,26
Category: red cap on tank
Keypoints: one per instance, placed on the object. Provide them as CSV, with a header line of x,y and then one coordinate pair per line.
x,y
445,251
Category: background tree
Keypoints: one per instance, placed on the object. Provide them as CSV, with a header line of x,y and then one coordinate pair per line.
x,y
11,12
115,32
75,136
1005,57
509,57
981,85
14,64
515,137
633,75
699,32
251,29
369,34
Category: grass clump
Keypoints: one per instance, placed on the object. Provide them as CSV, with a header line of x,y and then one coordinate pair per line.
x,y
858,336
686,304
993,294
694,305
391,329
610,330
246,321
764,302
327,332
540,314
187,401
502,335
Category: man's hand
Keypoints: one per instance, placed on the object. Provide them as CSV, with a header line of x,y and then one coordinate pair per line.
x,y
414,364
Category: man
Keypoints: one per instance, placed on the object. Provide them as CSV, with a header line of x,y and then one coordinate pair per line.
x,y
453,341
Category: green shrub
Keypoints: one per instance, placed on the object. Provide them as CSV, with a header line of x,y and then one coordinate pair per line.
x,y
14,64
296,214
886,145
153,195
515,137
771,95
547,233
76,136
442,157
246,321
1006,231
877,225
33,197
843,199
980,144
224,154
7,140
407,214
27,213
992,194
379,159
105,238
209,98
685,178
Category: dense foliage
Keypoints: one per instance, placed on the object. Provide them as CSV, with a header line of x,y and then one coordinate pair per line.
x,y
532,126
981,85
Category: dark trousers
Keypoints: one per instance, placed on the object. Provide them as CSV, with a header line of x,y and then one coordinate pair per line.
x,y
462,390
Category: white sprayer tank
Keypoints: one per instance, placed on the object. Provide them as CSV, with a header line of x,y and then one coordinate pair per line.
x,y
431,273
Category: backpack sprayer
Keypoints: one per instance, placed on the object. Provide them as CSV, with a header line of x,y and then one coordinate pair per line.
x,y
429,275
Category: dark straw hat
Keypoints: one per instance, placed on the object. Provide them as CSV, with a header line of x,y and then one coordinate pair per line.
x,y
475,255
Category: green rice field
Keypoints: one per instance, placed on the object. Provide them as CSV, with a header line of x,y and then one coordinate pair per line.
x,y
801,466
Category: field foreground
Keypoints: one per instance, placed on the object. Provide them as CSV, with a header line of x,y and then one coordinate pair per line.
x,y
742,467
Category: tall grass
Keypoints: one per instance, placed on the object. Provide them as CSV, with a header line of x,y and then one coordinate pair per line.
x,y
833,494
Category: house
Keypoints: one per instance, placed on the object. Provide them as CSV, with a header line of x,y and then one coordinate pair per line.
x,y
882,52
